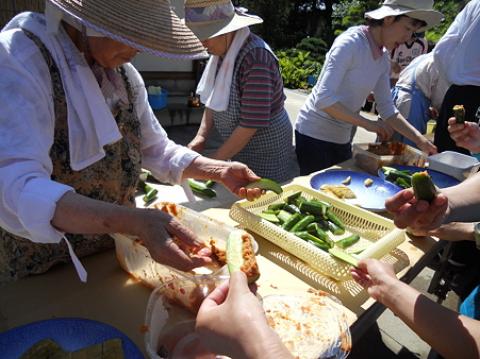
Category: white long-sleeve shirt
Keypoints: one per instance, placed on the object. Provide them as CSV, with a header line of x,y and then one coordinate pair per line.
x,y
28,196
457,52
349,74
427,78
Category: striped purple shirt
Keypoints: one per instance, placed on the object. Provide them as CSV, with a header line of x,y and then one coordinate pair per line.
x,y
261,89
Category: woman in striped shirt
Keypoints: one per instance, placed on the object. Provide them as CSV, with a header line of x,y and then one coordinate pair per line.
x,y
242,90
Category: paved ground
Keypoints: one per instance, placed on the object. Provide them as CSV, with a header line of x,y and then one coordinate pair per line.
x,y
390,338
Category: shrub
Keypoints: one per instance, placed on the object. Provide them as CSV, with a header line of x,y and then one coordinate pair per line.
x,y
296,65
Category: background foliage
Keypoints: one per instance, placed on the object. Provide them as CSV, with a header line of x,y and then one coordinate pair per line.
x,y
305,29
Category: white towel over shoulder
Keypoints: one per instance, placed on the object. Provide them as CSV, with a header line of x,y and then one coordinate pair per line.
x,y
213,88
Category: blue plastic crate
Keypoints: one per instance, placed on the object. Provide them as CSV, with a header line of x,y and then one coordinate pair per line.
x,y
157,102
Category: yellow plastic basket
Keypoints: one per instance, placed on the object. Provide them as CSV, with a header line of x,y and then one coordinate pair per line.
x,y
381,232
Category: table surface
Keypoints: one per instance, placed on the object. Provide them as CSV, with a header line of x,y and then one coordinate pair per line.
x,y
113,297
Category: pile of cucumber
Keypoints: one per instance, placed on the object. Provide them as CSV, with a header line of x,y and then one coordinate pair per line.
x,y
310,220
402,178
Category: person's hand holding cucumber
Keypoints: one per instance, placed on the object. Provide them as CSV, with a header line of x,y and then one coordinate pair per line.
x,y
231,321
421,207
465,135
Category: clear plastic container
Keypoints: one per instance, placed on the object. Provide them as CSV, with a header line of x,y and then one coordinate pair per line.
x,y
135,258
403,155
312,325
454,164
170,319
170,328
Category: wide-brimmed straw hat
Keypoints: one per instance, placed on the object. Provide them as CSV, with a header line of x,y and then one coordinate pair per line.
x,y
211,18
147,25
416,9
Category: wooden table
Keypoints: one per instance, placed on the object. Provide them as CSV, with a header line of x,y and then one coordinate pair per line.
x,y
111,296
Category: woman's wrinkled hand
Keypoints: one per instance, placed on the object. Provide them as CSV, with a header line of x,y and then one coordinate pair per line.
x,y
466,135
417,215
170,242
235,176
375,276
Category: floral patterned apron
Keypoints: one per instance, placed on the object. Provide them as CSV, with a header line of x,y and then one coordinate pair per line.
x,y
112,179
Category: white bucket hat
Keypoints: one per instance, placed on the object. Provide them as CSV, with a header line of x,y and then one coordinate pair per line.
x,y
147,25
416,9
211,18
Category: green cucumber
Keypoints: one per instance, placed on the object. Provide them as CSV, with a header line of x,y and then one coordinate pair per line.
x,y
276,206
333,218
240,255
311,238
343,256
316,230
292,208
336,230
284,216
315,208
293,220
303,223
266,184
348,241
459,114
292,199
210,183
270,217
423,186
201,188
322,246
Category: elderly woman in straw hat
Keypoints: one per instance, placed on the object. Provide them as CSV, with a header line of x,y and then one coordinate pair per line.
x,y
76,129
242,90
358,63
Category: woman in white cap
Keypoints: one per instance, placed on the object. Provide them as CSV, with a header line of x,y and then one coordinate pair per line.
x,y
358,63
242,90
76,128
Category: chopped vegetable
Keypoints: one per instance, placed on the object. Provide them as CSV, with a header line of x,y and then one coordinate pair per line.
x,y
347,181
201,189
343,256
240,255
348,241
266,184
423,186
459,113
270,217
292,221
368,182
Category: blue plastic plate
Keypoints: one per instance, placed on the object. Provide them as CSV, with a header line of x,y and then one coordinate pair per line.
x,y
371,198
71,334
440,179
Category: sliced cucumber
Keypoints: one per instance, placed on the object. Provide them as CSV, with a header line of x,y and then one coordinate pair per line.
x,y
423,186
343,256
266,184
240,255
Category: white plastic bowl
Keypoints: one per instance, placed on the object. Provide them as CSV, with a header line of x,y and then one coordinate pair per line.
x,y
454,164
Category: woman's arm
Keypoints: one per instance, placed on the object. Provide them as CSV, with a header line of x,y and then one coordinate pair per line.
x,y
198,142
402,126
75,213
340,112
449,333
235,143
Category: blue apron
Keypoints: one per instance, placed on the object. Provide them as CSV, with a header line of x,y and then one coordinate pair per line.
x,y
420,104
470,307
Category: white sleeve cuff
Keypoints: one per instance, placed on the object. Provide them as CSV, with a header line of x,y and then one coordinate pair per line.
x,y
36,209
